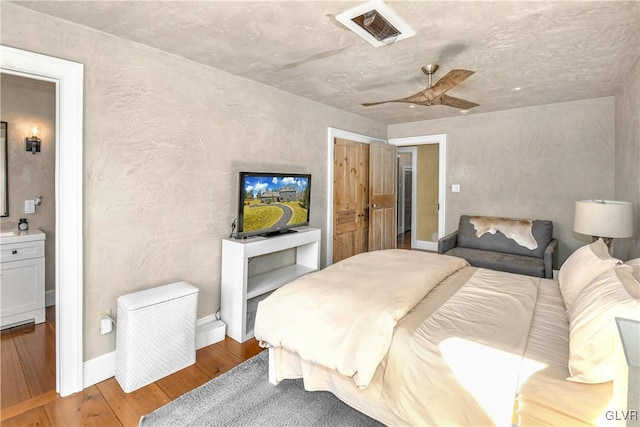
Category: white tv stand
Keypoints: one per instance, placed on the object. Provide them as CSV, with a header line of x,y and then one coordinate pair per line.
x,y
241,291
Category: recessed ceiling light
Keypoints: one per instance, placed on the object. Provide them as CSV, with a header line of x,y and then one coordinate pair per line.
x,y
517,88
464,112
412,105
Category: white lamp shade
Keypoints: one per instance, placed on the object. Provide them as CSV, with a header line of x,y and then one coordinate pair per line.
x,y
603,218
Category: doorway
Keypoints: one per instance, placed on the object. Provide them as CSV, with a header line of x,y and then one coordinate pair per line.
x,y
30,344
425,157
68,79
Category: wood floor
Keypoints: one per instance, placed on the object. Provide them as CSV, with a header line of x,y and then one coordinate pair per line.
x,y
28,396
28,361
404,240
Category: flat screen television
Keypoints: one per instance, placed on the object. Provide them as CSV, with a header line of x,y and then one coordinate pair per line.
x,y
272,203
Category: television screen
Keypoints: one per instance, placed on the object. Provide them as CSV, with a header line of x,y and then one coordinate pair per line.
x,y
272,203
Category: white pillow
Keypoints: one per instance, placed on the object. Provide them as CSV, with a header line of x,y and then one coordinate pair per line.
x,y
635,263
581,267
592,327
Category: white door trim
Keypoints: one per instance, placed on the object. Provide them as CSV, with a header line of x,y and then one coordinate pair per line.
x,y
68,77
333,133
440,139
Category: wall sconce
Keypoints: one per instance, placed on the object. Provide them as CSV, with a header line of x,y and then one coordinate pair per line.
x,y
33,142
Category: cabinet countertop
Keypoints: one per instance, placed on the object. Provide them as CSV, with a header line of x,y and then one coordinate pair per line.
x,y
22,236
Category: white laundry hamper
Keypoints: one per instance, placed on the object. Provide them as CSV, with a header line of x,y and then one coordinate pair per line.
x,y
156,334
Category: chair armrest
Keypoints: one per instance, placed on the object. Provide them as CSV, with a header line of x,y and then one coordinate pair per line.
x,y
550,258
449,241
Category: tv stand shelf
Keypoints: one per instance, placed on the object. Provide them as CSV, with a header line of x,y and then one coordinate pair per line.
x,y
241,291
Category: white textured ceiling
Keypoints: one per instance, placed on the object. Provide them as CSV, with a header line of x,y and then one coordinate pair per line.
x,y
554,51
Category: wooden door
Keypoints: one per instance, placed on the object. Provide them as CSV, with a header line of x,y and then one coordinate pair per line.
x,y
350,198
382,196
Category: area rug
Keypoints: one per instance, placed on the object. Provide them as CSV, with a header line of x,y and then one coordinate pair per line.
x,y
244,397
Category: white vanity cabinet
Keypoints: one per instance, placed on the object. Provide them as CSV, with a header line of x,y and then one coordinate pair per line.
x,y
241,291
22,278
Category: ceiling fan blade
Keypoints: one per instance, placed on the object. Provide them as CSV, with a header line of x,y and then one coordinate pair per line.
x,y
369,104
417,98
457,102
451,79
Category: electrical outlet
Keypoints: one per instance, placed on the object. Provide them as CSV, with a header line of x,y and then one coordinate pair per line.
x,y
29,206
105,322
105,325
103,313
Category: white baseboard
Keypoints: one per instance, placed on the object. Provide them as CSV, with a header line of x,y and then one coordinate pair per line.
x,y
208,331
50,298
426,245
99,369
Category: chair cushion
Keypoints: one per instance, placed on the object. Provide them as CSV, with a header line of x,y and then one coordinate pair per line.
x,y
542,231
512,263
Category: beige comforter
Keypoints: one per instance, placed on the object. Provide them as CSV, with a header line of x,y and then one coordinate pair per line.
x,y
343,317
476,343
463,362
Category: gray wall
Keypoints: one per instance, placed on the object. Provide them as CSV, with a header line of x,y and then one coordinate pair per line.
x,y
25,103
164,139
529,163
627,163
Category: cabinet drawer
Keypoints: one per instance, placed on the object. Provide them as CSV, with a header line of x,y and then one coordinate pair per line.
x,y
23,250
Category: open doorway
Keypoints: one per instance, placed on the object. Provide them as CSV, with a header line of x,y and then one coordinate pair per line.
x,y
68,79
28,329
421,203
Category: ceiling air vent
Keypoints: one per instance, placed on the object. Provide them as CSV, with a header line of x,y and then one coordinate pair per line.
x,y
376,23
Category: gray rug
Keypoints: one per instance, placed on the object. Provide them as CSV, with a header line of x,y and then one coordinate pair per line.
x,y
244,397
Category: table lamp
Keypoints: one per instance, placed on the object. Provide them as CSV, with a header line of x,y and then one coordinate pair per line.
x,y
606,219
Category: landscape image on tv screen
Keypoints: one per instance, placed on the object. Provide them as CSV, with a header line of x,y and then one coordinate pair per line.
x,y
275,202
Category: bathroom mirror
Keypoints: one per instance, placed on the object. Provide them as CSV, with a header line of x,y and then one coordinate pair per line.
x,y
4,189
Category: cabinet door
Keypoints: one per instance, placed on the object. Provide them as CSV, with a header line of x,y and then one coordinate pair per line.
x,y
22,286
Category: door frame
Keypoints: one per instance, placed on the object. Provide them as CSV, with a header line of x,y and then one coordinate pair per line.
x,y
441,140
333,133
68,79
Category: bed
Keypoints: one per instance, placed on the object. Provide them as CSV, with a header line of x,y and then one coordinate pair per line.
x,y
414,338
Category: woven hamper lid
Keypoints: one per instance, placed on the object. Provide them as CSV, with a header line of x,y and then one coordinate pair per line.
x,y
157,295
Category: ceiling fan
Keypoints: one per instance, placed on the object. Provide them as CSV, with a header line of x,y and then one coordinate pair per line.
x,y
434,95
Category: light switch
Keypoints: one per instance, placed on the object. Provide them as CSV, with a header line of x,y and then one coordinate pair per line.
x,y
455,188
29,206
